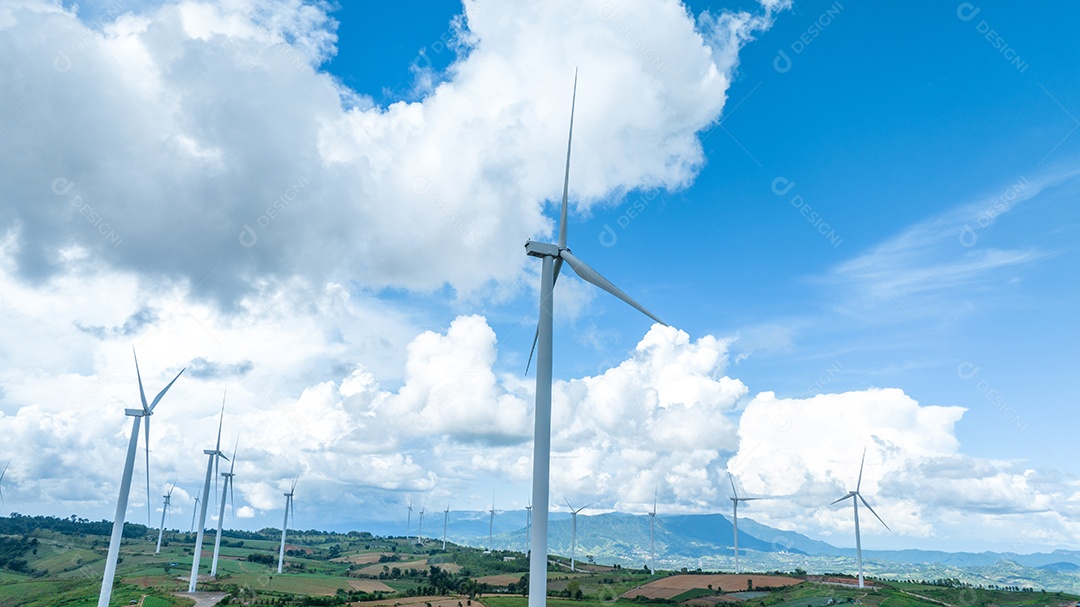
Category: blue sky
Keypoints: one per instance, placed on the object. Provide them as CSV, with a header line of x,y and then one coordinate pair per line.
x,y
861,218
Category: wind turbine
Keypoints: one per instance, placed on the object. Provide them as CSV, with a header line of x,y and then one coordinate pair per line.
x,y
573,533
194,512
735,516
2,480
221,513
420,528
125,482
408,521
528,524
446,518
553,256
491,523
211,464
652,536
856,497
164,511
285,525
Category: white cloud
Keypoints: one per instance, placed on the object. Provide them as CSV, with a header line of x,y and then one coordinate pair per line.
x,y
806,452
221,131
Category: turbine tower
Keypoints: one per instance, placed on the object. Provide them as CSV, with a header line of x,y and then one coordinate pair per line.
x,y
221,513
164,511
528,524
125,482
446,518
552,256
573,532
856,497
285,525
420,527
211,463
194,512
735,499
491,523
2,480
652,536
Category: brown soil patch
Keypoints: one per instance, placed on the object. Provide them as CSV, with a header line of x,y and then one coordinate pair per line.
x,y
500,580
436,601
675,585
376,569
369,586
360,559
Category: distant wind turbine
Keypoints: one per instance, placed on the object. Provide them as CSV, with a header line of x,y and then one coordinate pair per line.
x,y
573,532
211,463
194,512
164,511
2,480
652,536
528,524
491,523
856,497
408,521
125,482
735,499
552,257
221,512
285,525
420,527
446,518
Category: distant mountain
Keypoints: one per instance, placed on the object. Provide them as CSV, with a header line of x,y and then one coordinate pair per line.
x,y
705,541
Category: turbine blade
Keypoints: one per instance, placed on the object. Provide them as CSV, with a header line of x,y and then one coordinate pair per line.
x,y
842,499
142,395
157,398
858,485
566,176
590,275
232,462
733,491
221,420
865,503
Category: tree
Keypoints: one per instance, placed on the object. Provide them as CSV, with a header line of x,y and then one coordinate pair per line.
x,y
749,584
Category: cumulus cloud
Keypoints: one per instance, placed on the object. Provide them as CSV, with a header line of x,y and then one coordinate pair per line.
x,y
806,453
203,141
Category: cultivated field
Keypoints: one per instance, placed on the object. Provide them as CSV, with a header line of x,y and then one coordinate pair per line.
x,y
671,587
435,601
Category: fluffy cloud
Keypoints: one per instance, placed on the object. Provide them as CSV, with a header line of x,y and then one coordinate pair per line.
x,y
806,453
202,141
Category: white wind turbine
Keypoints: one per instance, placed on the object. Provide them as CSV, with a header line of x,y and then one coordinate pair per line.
x,y
573,532
285,524
446,518
856,497
221,512
652,536
528,524
164,511
420,527
194,512
735,499
408,521
491,523
552,256
2,480
213,455
125,482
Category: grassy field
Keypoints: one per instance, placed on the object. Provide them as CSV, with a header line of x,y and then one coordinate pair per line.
x,y
65,571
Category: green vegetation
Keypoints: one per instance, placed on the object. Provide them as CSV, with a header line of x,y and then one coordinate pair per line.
x,y
46,561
